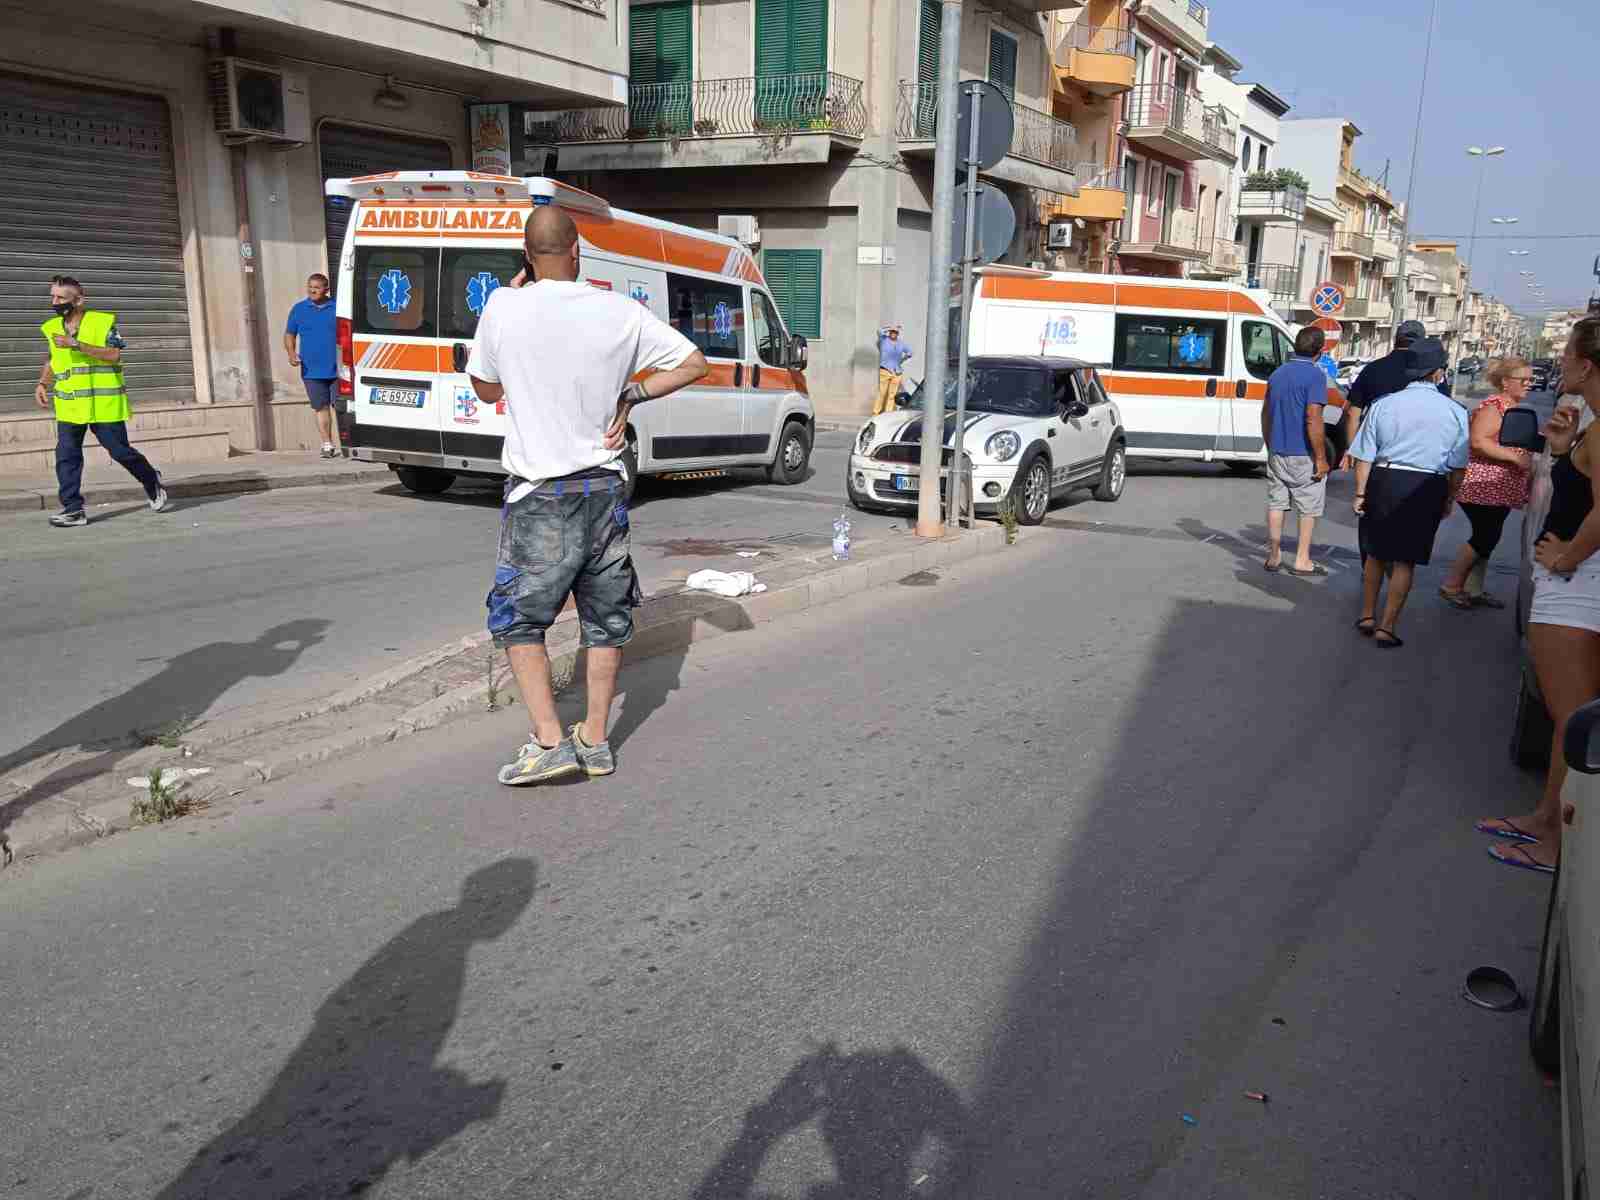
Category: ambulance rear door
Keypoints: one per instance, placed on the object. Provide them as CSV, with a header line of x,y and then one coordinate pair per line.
x,y
394,345
471,433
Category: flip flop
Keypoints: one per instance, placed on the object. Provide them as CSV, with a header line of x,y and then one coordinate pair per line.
x,y
1506,829
1484,600
1393,643
1272,568
1525,863
1455,599
1366,626
1316,569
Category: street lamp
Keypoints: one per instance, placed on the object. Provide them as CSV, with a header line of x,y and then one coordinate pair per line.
x,y
1483,155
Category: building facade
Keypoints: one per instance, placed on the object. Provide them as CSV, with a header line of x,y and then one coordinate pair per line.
x,y
200,239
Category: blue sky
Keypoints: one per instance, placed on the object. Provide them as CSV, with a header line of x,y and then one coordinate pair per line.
x,y
1523,75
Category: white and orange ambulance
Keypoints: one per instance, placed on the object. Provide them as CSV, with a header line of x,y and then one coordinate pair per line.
x,y
1187,362
422,253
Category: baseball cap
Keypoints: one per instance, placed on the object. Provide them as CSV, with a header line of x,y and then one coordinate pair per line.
x,y
1424,357
1410,331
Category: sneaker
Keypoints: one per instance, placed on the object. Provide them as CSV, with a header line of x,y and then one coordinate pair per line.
x,y
595,760
541,764
69,520
160,502
329,452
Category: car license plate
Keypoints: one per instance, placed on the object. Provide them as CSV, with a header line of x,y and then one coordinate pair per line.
x,y
399,397
905,483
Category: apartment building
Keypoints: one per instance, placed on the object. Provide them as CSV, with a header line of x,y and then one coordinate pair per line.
x,y
1443,260
123,143
1364,245
817,120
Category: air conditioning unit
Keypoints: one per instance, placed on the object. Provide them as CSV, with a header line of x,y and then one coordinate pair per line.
x,y
745,229
254,102
1059,236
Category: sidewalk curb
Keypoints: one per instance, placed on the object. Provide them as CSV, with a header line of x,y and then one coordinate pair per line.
x,y
221,484
665,624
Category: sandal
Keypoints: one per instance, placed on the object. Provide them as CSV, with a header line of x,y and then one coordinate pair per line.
x,y
1366,625
1484,600
1315,569
1507,828
1393,642
1515,854
1455,599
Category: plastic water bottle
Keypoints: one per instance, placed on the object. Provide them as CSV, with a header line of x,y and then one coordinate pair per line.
x,y
841,537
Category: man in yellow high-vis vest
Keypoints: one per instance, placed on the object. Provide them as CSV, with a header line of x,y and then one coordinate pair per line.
x,y
82,377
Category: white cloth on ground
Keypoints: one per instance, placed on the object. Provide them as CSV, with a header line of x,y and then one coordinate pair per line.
x,y
725,583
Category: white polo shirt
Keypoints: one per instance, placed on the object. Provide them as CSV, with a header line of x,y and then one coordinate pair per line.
x,y
564,352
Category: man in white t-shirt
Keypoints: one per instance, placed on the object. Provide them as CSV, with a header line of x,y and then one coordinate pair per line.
x,y
561,354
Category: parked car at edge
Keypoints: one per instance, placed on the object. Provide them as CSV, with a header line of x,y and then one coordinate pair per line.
x,y
1036,429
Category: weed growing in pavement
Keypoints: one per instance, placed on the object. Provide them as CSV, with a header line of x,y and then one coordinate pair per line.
x,y
493,688
169,736
1008,518
161,803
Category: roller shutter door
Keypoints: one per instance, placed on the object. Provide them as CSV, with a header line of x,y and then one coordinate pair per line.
x,y
91,192
348,151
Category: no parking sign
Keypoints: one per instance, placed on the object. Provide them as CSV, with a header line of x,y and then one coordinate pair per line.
x,y
1328,300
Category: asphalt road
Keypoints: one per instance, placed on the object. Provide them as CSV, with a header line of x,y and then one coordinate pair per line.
x,y
240,601
967,890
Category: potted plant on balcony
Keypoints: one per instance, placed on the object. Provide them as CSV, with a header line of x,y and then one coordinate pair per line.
x,y
705,127
1281,180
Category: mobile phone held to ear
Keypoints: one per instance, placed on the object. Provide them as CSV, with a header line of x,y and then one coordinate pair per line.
x,y
529,275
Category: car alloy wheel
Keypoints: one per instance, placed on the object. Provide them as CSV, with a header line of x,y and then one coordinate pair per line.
x,y
1036,489
794,450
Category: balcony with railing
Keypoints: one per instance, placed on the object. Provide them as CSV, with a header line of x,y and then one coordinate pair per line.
x,y
1272,205
1385,246
1187,20
1356,308
1348,244
711,122
1100,196
1281,281
1043,150
1098,58
1380,310
1178,124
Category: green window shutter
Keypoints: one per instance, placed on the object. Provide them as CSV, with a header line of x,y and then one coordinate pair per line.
x,y
673,43
1003,63
928,38
795,277
808,35
642,24
791,59
772,37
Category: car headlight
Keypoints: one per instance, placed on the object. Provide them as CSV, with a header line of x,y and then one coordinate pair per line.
x,y
868,432
1003,446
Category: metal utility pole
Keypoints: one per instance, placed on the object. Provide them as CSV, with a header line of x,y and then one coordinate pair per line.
x,y
930,519
1411,186
959,483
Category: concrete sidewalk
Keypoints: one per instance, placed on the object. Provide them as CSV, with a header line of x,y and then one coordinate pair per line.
x,y
252,471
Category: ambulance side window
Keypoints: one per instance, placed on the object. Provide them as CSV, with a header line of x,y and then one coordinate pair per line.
x,y
768,331
709,313
466,281
394,290
1263,348
1171,345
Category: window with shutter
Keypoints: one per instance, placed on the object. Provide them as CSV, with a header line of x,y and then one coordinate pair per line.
x,y
795,280
660,57
791,63
929,40
1003,63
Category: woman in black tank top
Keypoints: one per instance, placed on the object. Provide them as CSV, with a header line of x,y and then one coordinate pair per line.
x,y
1564,622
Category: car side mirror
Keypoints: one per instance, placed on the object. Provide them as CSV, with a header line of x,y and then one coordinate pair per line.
x,y
907,399
1519,430
797,352
1073,409
1580,745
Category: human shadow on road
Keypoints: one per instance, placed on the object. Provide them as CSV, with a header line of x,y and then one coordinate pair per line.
x,y
647,685
881,1115
1248,547
189,684
365,1088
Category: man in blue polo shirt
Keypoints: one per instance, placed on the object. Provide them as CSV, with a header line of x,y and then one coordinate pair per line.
x,y
1297,452
312,347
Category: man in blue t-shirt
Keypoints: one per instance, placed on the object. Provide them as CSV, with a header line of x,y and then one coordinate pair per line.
x,y
312,346
1297,452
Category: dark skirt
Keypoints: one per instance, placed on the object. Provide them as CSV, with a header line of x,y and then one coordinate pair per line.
x,y
1404,509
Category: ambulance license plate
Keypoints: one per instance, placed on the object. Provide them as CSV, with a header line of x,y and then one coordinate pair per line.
x,y
905,483
399,397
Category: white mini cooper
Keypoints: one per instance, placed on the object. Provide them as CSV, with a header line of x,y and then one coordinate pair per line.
x,y
1036,429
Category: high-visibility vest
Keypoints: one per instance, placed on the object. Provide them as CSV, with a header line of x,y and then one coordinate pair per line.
x,y
87,391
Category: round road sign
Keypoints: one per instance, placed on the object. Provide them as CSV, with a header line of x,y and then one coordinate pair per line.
x,y
1332,331
1328,300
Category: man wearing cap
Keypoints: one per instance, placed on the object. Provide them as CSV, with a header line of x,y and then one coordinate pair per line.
x,y
1380,377
892,355
1410,458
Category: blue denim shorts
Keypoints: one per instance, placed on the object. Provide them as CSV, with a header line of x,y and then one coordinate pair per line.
x,y
553,546
320,392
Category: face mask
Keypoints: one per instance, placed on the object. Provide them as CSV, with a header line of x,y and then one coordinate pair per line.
x,y
64,309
